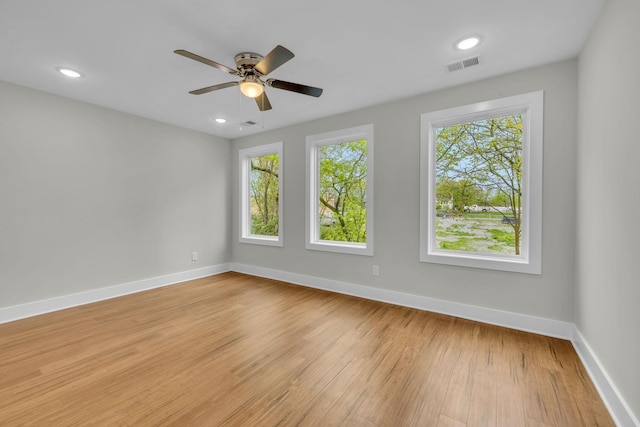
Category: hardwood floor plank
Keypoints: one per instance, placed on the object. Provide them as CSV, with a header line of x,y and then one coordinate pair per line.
x,y
458,397
238,350
445,421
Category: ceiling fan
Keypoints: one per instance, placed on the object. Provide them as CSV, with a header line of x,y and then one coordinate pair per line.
x,y
252,67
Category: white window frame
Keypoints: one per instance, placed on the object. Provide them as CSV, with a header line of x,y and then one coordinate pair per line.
x,y
530,105
245,155
312,224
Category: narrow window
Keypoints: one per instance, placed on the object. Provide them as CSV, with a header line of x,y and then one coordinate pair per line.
x,y
481,179
339,181
261,195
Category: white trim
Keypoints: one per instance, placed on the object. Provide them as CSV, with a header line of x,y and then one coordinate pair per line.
x,y
530,105
35,308
613,400
244,158
312,227
522,322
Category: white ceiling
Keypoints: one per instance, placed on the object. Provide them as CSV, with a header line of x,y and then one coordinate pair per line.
x,y
361,52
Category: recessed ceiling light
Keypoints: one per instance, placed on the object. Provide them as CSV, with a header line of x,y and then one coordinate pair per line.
x,y
221,120
69,72
468,43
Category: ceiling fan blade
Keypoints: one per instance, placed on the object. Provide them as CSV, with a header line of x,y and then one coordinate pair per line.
x,y
295,87
212,88
278,56
206,61
263,102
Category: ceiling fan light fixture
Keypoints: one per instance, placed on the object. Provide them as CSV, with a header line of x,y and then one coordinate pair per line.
x,y
251,87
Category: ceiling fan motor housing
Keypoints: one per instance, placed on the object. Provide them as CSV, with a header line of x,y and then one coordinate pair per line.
x,y
246,61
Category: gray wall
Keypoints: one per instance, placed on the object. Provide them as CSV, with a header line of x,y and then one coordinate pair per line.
x,y
90,197
608,236
396,134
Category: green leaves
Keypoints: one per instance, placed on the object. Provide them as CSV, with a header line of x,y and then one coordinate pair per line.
x,y
342,191
480,163
264,195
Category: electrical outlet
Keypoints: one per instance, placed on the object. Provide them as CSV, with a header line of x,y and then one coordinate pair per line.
x,y
376,270
194,256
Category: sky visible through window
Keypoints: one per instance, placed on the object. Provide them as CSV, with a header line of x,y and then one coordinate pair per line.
x,y
479,186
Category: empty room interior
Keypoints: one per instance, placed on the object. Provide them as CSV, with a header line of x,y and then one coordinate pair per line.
x,y
425,216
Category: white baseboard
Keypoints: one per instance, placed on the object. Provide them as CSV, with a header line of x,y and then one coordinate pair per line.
x,y
16,312
538,325
617,406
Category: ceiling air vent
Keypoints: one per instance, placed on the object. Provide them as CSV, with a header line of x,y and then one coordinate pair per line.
x,y
248,123
465,63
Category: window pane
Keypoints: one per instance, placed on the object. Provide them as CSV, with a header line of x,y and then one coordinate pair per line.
x,y
478,168
264,195
342,187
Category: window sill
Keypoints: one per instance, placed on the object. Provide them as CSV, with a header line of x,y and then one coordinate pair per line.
x,y
513,264
341,247
262,240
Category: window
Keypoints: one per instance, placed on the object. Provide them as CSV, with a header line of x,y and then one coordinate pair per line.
x,y
339,215
261,195
481,185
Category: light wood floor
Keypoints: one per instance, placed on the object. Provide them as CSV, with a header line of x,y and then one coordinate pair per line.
x,y
236,350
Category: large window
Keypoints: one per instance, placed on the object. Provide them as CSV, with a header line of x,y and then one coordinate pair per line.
x,y
481,185
261,195
339,191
